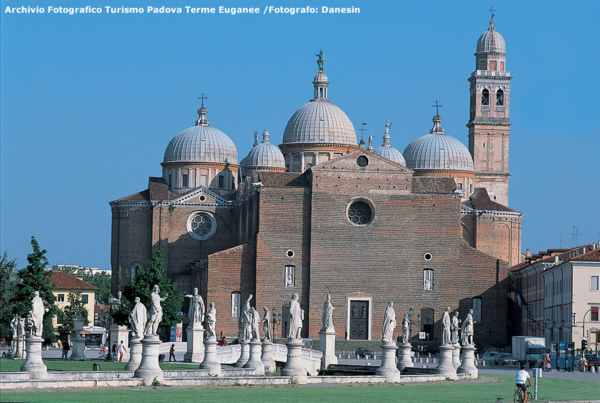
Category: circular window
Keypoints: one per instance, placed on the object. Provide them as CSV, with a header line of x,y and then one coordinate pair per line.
x,y
290,253
360,213
428,256
202,198
202,225
362,161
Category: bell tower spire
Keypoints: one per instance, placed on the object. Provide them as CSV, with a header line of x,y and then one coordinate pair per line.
x,y
489,118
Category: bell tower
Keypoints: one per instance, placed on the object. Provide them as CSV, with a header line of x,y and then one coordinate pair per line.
x,y
489,118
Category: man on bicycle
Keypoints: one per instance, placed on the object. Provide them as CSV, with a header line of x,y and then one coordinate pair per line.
x,y
522,378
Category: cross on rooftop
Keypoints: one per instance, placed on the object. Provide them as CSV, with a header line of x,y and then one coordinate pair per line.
x,y
202,98
492,10
436,106
362,129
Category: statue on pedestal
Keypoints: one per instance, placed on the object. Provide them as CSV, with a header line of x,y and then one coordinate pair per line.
x,y
406,328
156,312
467,330
320,60
267,324
296,316
454,328
210,320
36,315
137,319
255,324
328,315
196,311
389,323
446,327
247,319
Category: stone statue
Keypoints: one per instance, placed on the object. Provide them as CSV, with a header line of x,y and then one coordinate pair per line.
x,y
247,319
406,328
370,147
387,127
14,327
295,318
328,315
137,319
446,326
267,324
210,319
454,328
467,330
255,324
320,61
156,312
116,302
389,323
36,315
196,311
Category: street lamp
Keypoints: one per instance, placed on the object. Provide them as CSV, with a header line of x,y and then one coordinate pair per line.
x,y
410,314
274,321
596,304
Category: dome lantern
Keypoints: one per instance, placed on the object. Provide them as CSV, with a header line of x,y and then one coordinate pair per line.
x,y
387,151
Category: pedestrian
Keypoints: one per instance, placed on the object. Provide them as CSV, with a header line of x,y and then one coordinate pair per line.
x,y
122,350
222,342
115,351
65,349
548,364
172,353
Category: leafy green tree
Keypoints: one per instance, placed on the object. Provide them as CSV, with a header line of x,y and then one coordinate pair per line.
x,y
102,281
7,290
75,308
35,277
141,286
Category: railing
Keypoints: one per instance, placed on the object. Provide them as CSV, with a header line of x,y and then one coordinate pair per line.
x,y
491,73
229,351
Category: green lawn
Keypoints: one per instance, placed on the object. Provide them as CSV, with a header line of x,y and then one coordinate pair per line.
x,y
464,391
59,365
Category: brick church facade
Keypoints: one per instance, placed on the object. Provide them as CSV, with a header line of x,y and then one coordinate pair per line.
x,y
321,214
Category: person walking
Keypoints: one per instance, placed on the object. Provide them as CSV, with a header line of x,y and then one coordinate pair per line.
x,y
65,349
172,353
122,350
115,351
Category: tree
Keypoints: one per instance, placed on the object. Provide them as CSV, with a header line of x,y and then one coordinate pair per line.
x,y
75,308
35,277
102,281
141,286
7,290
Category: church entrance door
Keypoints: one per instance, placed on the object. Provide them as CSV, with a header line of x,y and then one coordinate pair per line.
x,y
359,320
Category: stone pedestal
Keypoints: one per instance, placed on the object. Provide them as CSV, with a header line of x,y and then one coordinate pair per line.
x,y
245,344
211,361
149,367
135,354
33,363
78,350
195,344
446,367
388,362
118,333
255,358
267,357
468,362
456,355
294,368
405,360
327,346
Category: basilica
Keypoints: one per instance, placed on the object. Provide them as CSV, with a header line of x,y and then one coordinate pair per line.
x,y
322,214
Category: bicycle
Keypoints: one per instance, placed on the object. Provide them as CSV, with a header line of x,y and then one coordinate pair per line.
x,y
519,396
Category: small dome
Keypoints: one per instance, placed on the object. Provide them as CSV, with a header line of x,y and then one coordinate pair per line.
x,y
201,143
438,151
320,78
265,155
491,41
386,150
319,122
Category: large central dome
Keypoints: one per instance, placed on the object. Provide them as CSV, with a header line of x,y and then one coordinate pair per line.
x,y
319,121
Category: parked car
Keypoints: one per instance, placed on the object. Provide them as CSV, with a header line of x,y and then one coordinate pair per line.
x,y
592,359
504,359
363,352
489,355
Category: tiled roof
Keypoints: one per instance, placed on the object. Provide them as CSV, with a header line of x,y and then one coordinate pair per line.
x,y
139,196
159,190
480,200
292,179
64,281
592,255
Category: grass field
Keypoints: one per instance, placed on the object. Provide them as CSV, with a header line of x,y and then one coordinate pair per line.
x,y
487,389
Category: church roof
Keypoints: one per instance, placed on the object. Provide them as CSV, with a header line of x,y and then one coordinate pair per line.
x,y
201,143
438,150
480,200
64,281
491,41
264,155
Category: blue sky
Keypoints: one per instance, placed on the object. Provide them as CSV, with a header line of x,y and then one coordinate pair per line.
x,y
90,102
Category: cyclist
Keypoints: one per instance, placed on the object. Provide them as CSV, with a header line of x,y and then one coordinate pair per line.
x,y
522,378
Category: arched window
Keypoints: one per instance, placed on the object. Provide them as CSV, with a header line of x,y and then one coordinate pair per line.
x,y
500,98
485,97
135,269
